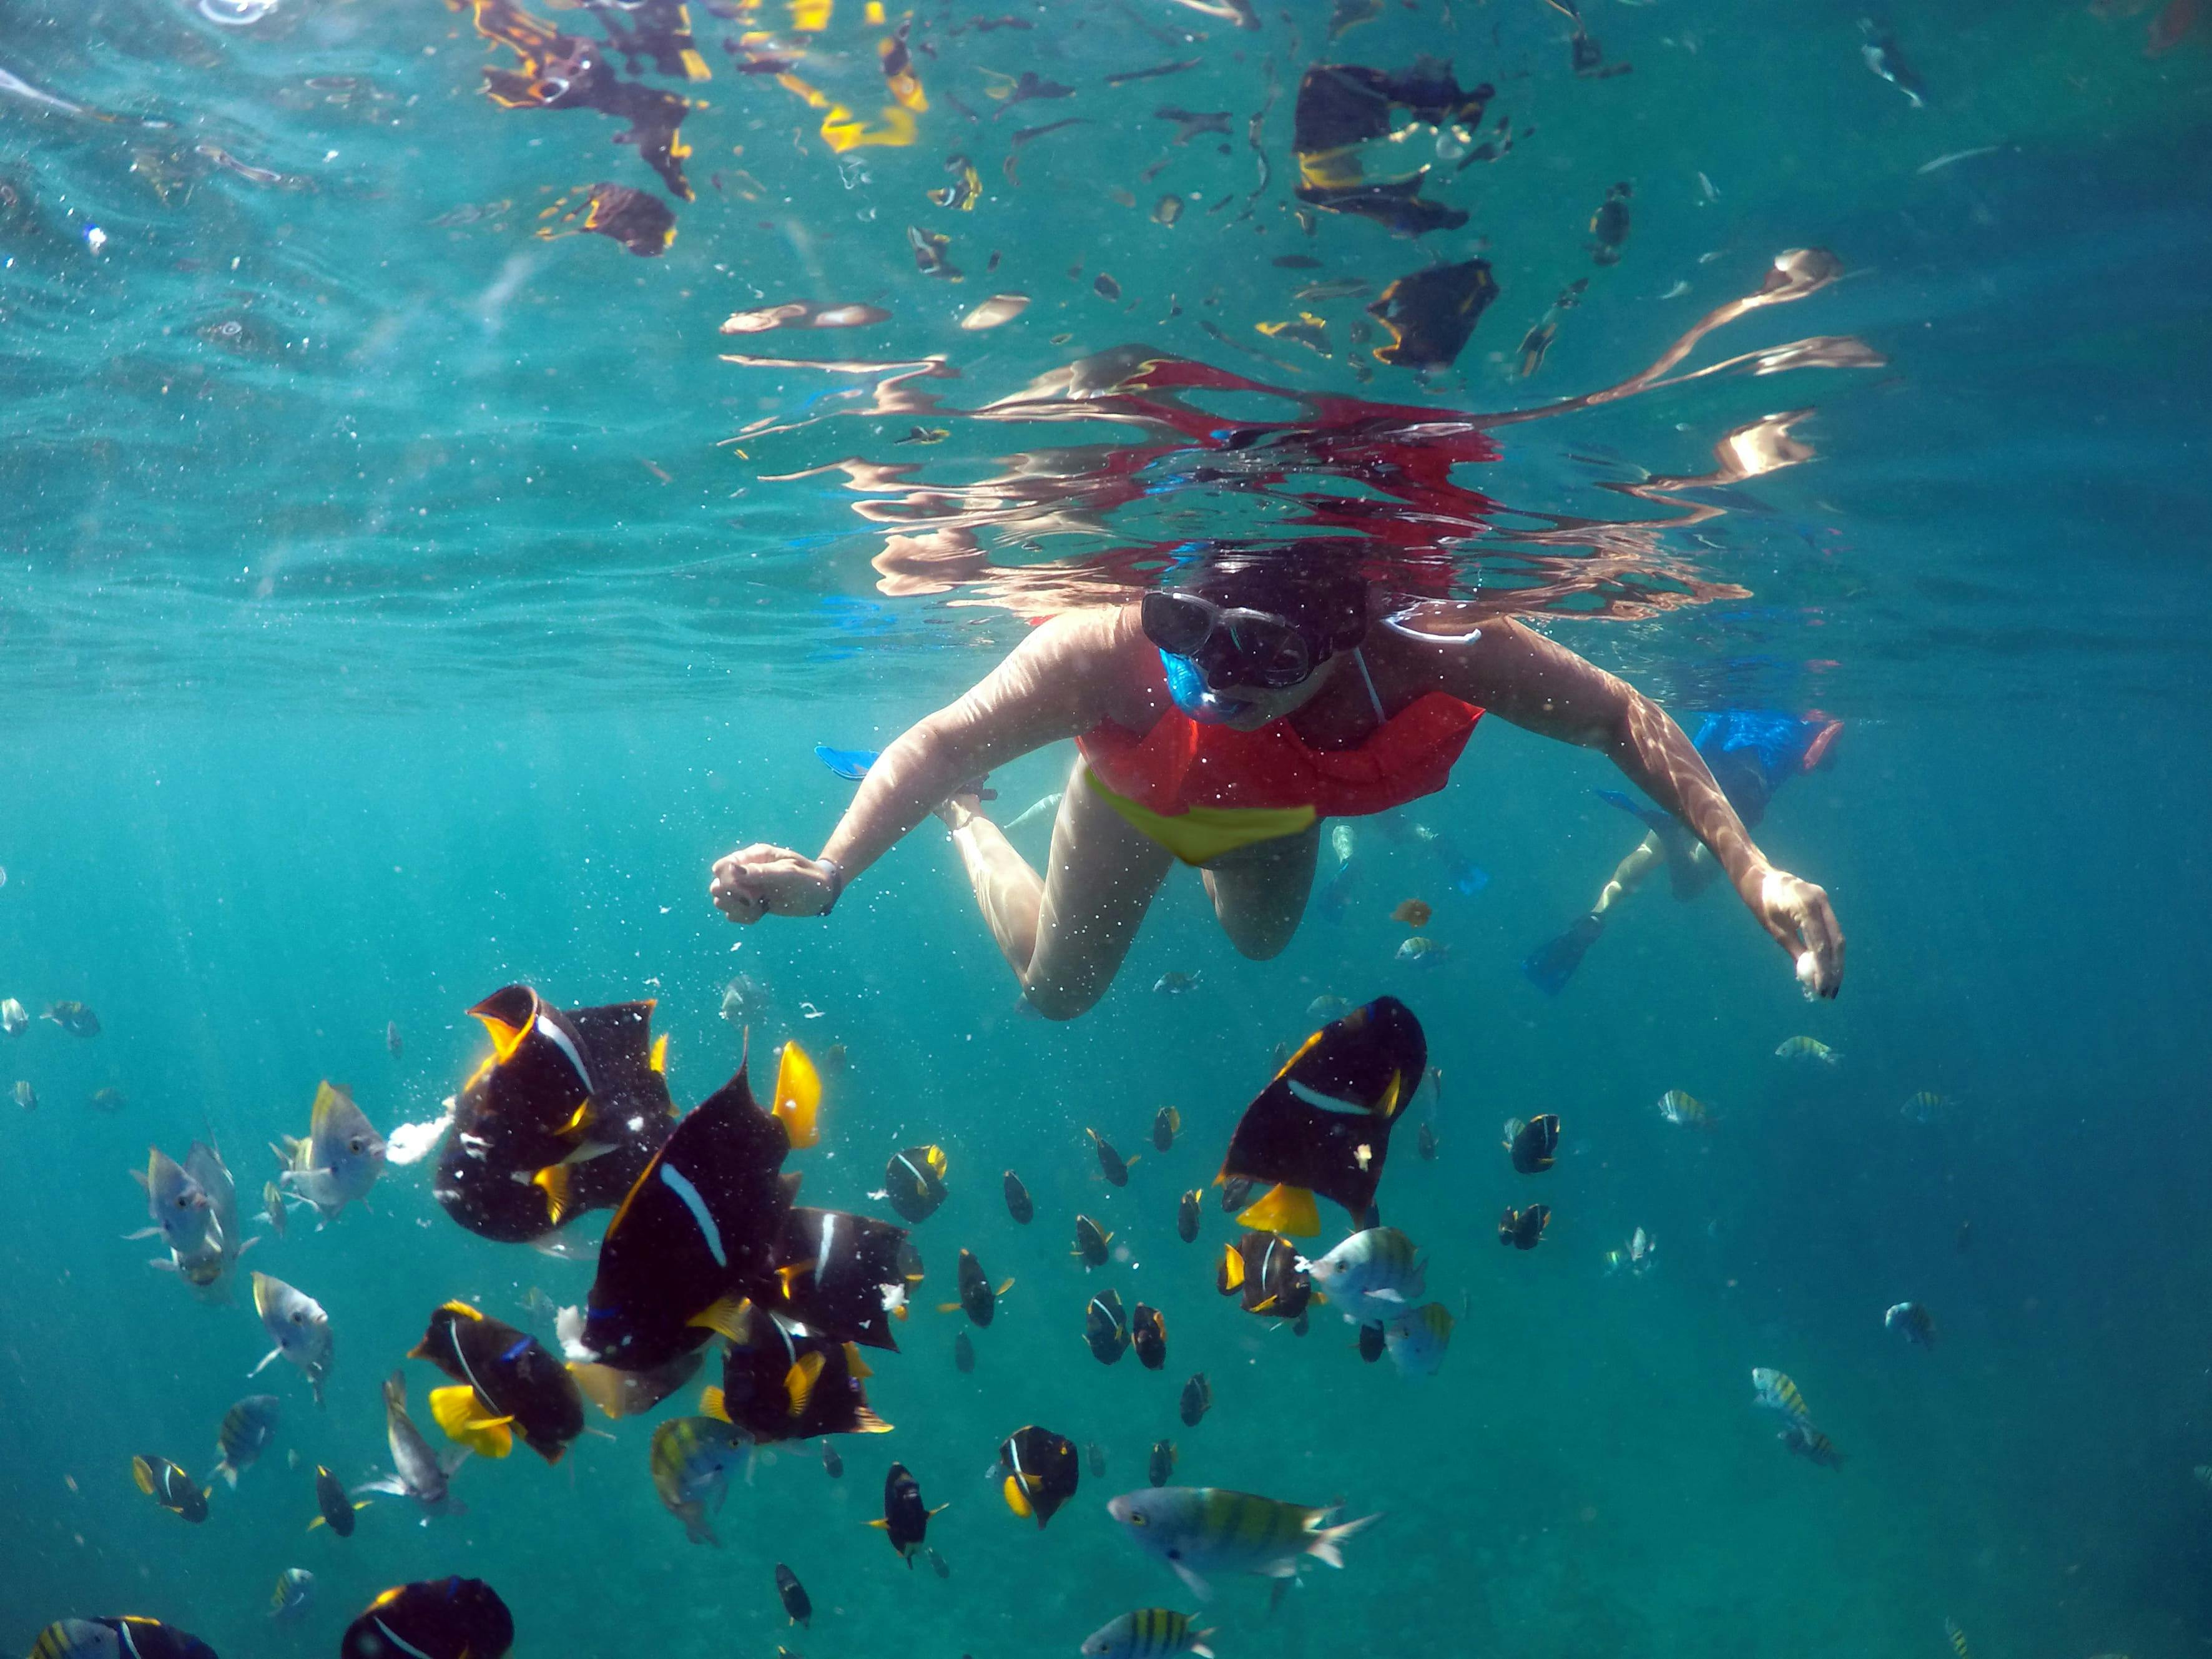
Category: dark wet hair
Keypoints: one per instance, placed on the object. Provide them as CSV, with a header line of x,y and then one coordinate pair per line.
x,y
1317,586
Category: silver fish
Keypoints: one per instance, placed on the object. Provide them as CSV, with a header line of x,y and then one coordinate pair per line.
x,y
1374,1276
298,1326
1416,1341
340,1159
208,1271
417,1472
1199,1529
178,1205
13,1017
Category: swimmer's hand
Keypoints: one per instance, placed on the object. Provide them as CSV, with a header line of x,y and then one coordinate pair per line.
x,y
1802,922
764,880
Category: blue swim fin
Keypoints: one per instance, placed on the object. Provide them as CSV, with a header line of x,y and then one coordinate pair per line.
x,y
850,765
1650,817
1550,966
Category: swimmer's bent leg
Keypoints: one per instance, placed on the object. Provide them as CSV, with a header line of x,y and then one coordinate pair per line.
x,y
1065,936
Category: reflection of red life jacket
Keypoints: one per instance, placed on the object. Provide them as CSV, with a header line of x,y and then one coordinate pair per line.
x,y
1180,764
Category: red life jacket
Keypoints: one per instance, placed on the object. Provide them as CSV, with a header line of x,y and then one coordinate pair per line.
x,y
1181,763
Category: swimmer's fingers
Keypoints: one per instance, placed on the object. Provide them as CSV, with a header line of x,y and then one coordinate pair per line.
x,y
1800,919
1824,943
736,886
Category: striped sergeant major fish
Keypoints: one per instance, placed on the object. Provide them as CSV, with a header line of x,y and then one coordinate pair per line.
x,y
1200,1529
1774,1390
1148,1633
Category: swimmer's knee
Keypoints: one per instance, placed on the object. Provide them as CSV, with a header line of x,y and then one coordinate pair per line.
x,y
1063,1001
1261,944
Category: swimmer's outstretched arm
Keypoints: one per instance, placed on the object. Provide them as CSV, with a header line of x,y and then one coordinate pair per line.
x,y
1523,678
1053,685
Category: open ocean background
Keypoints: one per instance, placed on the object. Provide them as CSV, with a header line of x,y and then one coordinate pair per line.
x,y
416,635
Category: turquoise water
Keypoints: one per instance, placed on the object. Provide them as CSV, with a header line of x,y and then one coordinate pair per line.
x,y
421,634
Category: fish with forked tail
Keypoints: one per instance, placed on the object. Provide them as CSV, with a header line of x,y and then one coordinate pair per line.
x,y
1201,1529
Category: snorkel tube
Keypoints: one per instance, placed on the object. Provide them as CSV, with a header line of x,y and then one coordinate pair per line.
x,y
1187,687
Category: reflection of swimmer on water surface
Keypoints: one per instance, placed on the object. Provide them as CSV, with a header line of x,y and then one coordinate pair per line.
x,y
1751,753
1218,722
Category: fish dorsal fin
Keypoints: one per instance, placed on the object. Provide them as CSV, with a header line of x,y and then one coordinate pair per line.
x,y
1283,1209
799,1381
798,1097
1232,1269
507,1017
1305,1048
461,1308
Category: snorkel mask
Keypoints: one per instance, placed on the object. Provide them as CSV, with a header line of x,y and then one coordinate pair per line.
x,y
1250,622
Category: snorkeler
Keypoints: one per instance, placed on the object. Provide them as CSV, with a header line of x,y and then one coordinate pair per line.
x,y
1751,753
1218,721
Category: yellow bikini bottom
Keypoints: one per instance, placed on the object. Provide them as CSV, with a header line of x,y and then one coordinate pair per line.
x,y
1198,835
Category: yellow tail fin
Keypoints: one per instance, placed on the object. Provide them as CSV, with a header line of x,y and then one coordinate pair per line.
x,y
1283,1210
460,1415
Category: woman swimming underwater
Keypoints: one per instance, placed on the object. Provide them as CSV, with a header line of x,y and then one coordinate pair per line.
x,y
1219,721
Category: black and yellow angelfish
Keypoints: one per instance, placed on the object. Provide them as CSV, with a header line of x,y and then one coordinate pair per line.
x,y
700,1224
1261,1269
127,1637
782,1381
437,1618
505,1386
1041,1471
168,1486
1322,1124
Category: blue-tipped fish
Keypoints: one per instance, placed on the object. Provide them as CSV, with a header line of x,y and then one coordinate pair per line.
x,y
691,1460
